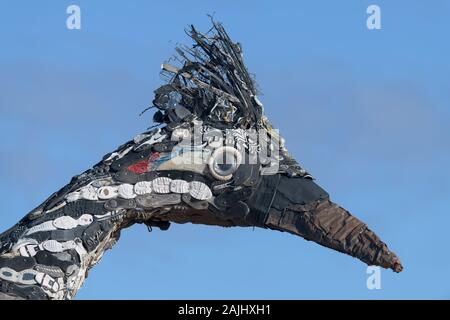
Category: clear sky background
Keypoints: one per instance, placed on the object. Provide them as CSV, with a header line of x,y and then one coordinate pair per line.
x,y
366,112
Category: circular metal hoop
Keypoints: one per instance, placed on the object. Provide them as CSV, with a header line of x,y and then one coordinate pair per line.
x,y
219,153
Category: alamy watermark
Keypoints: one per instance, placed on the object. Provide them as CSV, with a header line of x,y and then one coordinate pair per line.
x,y
73,21
374,280
373,22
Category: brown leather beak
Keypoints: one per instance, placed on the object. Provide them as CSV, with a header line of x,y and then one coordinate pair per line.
x,y
332,226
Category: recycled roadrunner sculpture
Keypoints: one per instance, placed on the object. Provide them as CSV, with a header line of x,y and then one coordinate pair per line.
x,y
214,159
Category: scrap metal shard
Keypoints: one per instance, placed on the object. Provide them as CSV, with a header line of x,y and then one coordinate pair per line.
x,y
214,159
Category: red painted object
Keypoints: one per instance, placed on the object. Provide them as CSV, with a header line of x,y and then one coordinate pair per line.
x,y
144,165
139,167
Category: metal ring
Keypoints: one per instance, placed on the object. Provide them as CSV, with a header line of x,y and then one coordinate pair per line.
x,y
219,152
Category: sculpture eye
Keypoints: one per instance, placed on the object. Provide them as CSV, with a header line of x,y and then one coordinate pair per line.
x,y
224,169
224,162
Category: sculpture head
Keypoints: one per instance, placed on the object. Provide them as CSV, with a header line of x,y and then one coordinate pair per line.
x,y
215,159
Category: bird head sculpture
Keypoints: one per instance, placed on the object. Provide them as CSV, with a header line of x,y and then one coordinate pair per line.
x,y
213,159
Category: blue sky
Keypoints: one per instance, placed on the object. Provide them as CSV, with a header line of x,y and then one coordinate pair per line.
x,y
366,112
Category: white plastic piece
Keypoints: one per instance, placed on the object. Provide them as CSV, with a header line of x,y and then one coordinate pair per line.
x,y
137,139
143,187
85,220
74,196
25,247
126,191
108,192
55,246
161,185
46,226
103,216
200,191
22,243
61,294
180,134
89,193
66,222
179,186
119,154
56,208
156,137
28,251
80,249
47,282
101,183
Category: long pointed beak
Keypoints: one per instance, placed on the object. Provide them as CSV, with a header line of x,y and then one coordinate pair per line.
x,y
301,207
